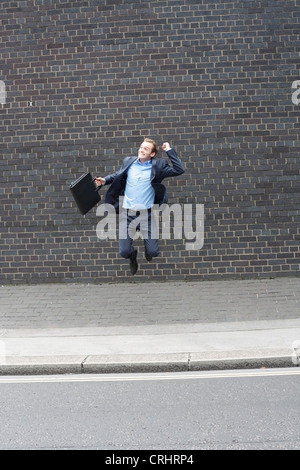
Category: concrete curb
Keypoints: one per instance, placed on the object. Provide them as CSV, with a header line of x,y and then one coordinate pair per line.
x,y
160,348
140,363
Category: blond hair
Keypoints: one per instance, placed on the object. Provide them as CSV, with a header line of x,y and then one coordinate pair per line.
x,y
155,147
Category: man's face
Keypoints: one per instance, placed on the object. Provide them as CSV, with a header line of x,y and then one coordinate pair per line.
x,y
146,151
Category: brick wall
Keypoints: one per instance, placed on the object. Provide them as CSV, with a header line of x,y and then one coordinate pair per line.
x,y
86,81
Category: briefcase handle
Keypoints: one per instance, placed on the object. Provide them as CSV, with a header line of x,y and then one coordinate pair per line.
x,y
97,187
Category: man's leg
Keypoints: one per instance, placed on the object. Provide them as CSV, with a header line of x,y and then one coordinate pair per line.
x,y
151,240
126,249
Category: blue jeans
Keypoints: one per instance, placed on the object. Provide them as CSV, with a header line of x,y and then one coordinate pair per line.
x,y
133,221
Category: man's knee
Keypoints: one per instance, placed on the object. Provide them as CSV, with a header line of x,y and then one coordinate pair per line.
x,y
153,251
125,252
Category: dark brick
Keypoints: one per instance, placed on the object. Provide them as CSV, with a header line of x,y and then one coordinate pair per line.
x,y
213,78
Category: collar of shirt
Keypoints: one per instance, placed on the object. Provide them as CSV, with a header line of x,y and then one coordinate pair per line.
x,y
147,163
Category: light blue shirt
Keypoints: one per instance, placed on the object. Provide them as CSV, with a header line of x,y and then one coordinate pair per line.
x,y
139,193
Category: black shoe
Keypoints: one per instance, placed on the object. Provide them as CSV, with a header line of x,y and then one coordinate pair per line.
x,y
133,263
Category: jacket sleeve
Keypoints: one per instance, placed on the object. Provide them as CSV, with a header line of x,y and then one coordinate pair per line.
x,y
111,178
176,168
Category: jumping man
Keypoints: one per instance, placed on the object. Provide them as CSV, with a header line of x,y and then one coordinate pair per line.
x,y
139,182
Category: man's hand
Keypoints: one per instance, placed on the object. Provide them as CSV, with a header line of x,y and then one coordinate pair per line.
x,y
166,146
100,181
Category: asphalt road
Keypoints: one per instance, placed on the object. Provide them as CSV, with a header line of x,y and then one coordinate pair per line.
x,y
246,409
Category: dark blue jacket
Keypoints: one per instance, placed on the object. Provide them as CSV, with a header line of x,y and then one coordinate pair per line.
x,y
160,169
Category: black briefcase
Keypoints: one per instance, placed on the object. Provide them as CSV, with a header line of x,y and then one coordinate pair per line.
x,y
85,192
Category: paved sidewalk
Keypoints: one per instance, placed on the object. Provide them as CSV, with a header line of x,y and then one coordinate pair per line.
x,y
71,328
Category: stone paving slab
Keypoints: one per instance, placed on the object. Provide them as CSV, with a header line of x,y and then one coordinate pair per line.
x,y
133,304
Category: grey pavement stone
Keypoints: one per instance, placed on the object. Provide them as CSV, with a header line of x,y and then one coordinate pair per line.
x,y
29,365
126,304
242,359
129,363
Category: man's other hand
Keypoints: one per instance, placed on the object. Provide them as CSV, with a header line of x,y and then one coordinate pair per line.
x,y
166,146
